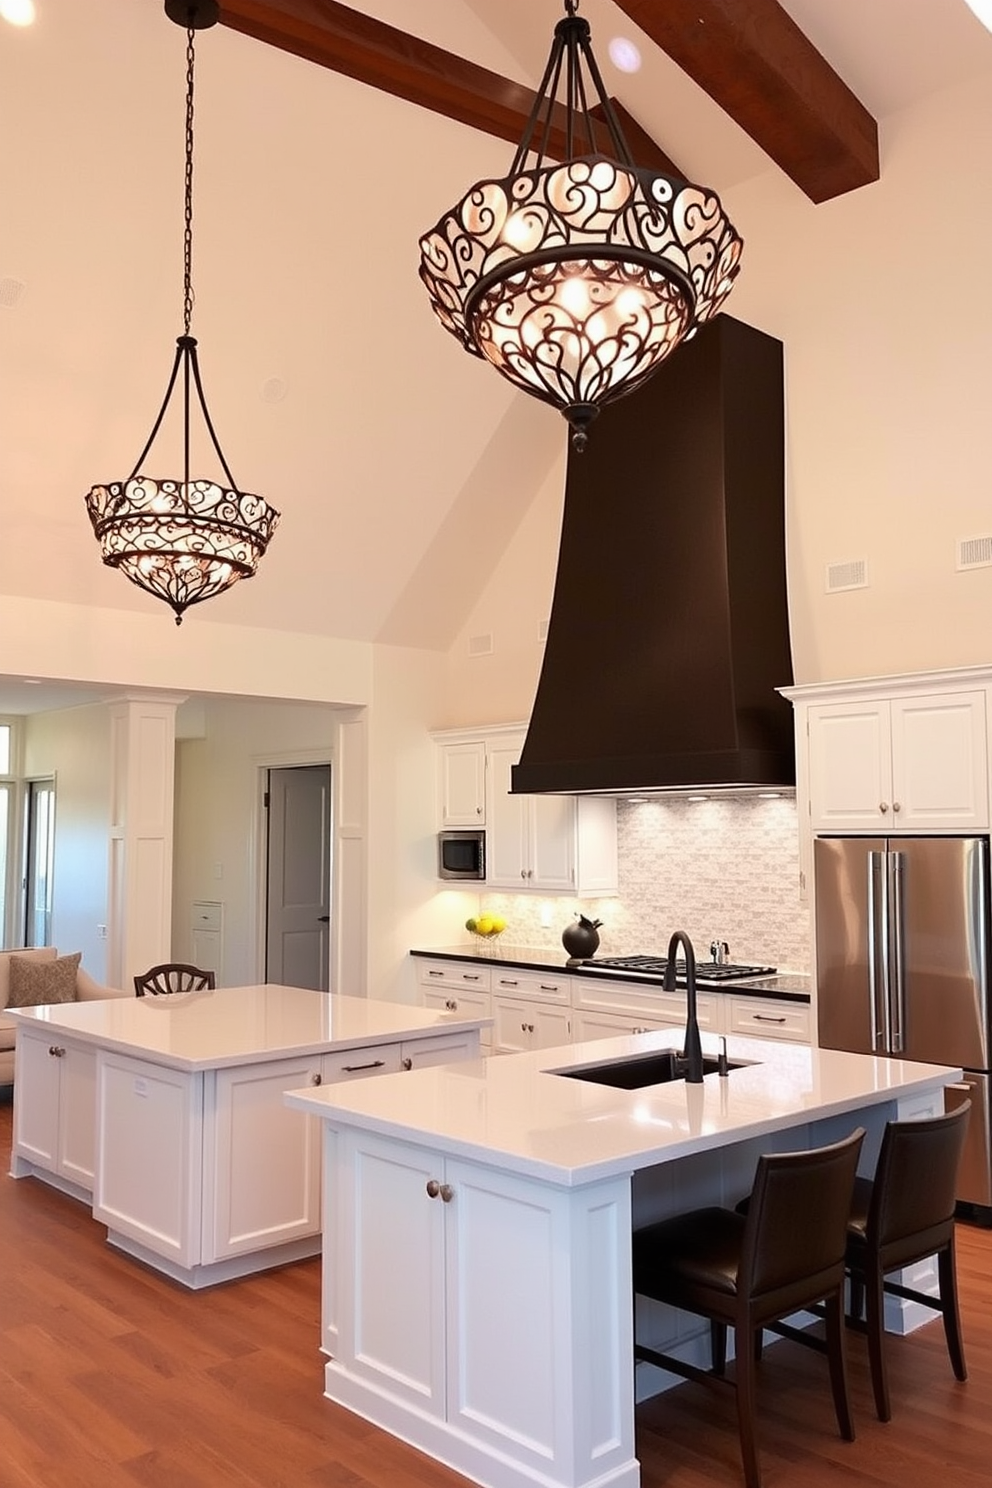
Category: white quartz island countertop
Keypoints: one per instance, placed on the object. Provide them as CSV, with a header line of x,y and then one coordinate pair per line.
x,y
237,1025
515,1111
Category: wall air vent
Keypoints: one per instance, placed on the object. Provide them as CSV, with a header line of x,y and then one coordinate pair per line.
x,y
850,575
480,645
10,292
974,552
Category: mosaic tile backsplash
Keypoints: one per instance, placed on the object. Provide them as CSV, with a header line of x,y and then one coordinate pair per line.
x,y
718,869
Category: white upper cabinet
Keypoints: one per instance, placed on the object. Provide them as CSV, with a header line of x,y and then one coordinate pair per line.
x,y
904,759
461,783
551,844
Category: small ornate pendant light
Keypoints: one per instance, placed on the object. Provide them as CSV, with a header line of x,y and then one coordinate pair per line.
x,y
577,280
181,539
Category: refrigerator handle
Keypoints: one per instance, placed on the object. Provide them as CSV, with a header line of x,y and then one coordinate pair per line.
x,y
877,954
897,928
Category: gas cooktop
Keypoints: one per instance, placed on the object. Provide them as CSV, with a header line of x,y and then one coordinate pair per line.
x,y
654,966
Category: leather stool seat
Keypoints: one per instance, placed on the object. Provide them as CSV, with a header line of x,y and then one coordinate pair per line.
x,y
751,1271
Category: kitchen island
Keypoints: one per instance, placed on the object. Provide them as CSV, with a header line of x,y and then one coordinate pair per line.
x,y
477,1275
166,1113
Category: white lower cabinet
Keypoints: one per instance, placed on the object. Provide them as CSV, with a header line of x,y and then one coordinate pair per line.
x,y
519,1024
54,1106
457,987
768,1017
587,1026
422,1252
208,1171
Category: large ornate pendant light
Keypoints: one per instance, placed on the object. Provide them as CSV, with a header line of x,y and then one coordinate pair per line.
x,y
182,539
577,279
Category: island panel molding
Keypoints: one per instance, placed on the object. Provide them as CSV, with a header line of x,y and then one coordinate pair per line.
x,y
166,1115
467,1198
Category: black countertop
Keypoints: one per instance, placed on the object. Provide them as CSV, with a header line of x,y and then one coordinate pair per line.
x,y
789,986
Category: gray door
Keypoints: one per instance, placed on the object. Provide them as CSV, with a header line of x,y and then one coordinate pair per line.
x,y
298,877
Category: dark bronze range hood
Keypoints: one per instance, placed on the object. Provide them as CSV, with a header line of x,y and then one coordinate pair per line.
x,y
669,633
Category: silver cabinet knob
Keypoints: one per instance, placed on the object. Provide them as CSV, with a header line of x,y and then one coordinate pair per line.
x,y
896,806
451,1004
55,1051
883,807
447,1193
407,1063
316,1079
433,1188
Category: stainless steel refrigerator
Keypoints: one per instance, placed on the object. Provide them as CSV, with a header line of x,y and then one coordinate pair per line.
x,y
902,926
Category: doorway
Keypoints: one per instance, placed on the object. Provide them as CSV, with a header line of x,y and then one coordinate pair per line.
x,y
298,876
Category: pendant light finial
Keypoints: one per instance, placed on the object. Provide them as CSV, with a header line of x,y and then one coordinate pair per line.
x,y
182,539
577,279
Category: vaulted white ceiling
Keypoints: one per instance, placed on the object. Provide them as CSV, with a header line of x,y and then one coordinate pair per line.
x,y
402,467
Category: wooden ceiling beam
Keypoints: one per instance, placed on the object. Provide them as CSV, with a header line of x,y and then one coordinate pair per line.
x,y
754,61
360,47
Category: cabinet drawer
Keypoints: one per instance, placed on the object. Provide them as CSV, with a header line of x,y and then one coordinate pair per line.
x,y
768,1018
544,986
358,1064
466,975
647,1003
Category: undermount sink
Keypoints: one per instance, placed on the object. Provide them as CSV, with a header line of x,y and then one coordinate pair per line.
x,y
640,1070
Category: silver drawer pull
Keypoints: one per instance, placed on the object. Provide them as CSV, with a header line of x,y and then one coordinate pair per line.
x,y
436,973
765,1018
506,982
353,1069
470,976
549,986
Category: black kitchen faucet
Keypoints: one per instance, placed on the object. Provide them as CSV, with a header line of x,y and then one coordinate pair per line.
x,y
692,1051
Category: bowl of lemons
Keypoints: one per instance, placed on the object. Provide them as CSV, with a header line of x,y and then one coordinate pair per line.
x,y
487,928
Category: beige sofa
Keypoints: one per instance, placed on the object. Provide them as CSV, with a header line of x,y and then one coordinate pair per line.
x,y
87,990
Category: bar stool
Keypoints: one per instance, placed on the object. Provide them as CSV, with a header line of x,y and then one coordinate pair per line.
x,y
903,1215
747,1271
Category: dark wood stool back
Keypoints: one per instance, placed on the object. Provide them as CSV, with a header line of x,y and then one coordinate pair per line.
x,y
903,1215
749,1271
175,977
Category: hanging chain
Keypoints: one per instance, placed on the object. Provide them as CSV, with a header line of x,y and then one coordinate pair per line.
x,y
188,229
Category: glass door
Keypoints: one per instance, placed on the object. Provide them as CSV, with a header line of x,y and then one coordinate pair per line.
x,y
38,880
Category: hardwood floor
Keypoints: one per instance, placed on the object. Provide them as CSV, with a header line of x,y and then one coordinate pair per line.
x,y
111,1377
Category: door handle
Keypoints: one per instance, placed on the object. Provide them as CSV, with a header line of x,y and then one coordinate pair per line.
x,y
323,919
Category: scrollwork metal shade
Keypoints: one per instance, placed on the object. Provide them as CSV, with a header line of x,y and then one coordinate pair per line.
x,y
182,541
576,280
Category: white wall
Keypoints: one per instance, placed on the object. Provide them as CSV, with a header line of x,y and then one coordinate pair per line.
x,y
74,746
219,826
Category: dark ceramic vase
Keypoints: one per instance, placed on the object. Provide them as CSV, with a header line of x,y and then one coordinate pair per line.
x,y
581,940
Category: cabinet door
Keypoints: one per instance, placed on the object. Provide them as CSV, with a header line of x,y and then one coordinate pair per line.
x,y
261,1159
552,843
389,1266
462,784
77,1115
519,1025
850,766
939,769
442,1049
507,822
587,1026
37,1078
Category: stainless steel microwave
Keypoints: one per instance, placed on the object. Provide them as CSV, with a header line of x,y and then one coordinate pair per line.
x,y
461,855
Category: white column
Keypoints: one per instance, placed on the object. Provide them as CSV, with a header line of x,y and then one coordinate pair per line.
x,y
142,785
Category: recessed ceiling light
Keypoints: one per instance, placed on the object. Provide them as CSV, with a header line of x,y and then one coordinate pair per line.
x,y
624,54
983,10
17,12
